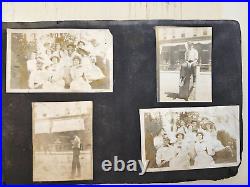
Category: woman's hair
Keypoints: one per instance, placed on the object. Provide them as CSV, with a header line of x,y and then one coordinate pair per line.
x,y
77,57
200,134
78,43
181,135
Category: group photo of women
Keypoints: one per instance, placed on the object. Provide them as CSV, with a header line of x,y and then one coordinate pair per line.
x,y
75,61
187,140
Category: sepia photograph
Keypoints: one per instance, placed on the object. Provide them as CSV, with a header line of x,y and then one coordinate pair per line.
x,y
190,138
59,60
62,141
184,64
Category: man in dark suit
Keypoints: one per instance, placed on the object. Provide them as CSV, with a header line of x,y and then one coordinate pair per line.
x,y
188,70
76,153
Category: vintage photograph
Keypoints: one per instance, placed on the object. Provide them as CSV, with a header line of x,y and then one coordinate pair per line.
x,y
59,60
184,64
190,138
62,141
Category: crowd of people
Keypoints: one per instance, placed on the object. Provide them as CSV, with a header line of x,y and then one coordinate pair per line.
x,y
188,145
71,68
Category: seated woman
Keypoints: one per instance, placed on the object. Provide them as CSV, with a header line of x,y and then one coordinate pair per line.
x,y
182,158
91,71
79,81
165,153
38,76
56,73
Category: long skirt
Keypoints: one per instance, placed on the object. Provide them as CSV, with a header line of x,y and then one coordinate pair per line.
x,y
184,89
203,160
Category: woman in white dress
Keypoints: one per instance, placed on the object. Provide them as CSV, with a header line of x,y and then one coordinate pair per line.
x,y
204,153
212,140
79,81
91,71
182,158
190,138
58,51
55,75
31,63
38,76
165,153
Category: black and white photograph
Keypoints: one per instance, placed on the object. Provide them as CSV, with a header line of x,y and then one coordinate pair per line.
x,y
184,64
62,141
59,60
190,138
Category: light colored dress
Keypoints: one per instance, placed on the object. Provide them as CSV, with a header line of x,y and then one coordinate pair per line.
x,y
164,154
182,159
31,65
189,140
158,142
214,143
78,83
37,79
91,71
203,157
55,78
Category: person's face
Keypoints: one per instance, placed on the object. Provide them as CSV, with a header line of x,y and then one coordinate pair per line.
x,y
70,50
199,136
39,66
189,46
166,141
164,135
81,44
179,137
190,127
54,60
76,62
93,58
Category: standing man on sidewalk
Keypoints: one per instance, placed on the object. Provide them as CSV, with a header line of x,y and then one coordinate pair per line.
x,y
76,153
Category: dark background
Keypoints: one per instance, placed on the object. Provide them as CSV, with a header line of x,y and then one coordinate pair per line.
x,y
116,125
